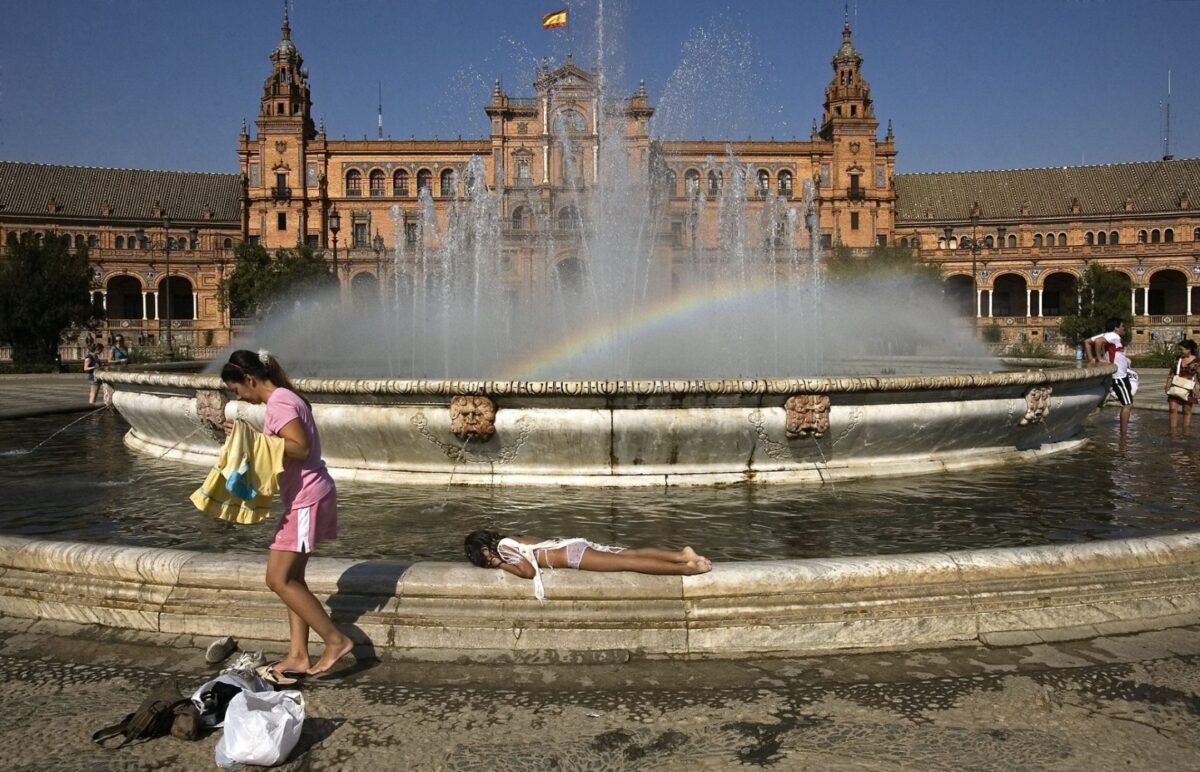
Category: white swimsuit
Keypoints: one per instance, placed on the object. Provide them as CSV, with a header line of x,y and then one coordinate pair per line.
x,y
513,551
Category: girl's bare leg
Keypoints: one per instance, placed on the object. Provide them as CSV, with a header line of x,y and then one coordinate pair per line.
x,y
1173,407
672,556
593,560
285,577
1187,417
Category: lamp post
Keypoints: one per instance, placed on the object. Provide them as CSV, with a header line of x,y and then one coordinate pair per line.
x,y
377,243
335,225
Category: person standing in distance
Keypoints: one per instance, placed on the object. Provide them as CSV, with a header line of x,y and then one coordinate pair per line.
x,y
1109,347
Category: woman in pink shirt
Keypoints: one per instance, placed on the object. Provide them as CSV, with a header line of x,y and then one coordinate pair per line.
x,y
309,500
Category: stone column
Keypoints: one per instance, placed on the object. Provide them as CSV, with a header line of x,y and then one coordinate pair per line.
x,y
1133,301
1028,302
978,303
991,297
195,305
145,300
1041,295
1146,300
104,300
1189,300
155,294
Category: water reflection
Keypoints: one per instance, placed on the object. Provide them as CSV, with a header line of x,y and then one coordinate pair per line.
x,y
86,485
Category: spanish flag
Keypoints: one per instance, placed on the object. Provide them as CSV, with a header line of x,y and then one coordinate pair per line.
x,y
555,20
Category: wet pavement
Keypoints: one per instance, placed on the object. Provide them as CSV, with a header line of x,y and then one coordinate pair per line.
x,y
1130,702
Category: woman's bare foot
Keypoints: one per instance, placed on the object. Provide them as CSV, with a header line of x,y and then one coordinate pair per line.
x,y
701,565
688,554
334,651
292,664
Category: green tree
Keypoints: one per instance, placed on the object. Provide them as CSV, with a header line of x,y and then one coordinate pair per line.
x,y
44,289
880,263
1103,295
258,280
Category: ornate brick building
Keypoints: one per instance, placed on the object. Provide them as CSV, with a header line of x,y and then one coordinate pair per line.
x,y
542,149
1012,243
148,233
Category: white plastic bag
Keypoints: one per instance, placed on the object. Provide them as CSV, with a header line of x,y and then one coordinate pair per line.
x,y
261,728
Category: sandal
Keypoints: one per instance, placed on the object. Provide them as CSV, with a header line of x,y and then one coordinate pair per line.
x,y
269,674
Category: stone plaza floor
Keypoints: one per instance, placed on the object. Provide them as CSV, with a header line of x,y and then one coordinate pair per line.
x,y
1129,702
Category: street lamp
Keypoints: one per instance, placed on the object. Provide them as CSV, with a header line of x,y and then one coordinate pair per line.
x,y
377,243
165,245
335,225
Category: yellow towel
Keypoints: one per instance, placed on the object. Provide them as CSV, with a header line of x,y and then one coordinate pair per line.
x,y
255,461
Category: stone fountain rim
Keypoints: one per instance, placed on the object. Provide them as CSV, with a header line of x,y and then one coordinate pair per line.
x,y
1045,372
434,610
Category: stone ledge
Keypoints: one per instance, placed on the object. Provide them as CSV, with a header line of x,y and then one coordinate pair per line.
x,y
450,610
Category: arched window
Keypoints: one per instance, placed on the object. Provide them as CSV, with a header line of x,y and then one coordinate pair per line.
x,y
904,241
1089,238
691,181
1196,234
447,182
1114,238
79,241
377,188
785,183
1101,238
354,183
1155,236
93,241
522,218
764,182
522,168
120,243
1037,239
400,182
670,181
571,122
568,218
227,243
989,242
714,184
1062,239
424,180
1142,237
1169,236
1012,241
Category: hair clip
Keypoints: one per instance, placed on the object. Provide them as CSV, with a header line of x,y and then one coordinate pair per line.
x,y
264,356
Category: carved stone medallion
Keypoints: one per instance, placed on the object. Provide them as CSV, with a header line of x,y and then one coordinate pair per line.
x,y
1037,405
807,415
210,412
473,417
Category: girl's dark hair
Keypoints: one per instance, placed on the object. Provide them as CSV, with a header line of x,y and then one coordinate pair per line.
x,y
1189,344
262,365
478,541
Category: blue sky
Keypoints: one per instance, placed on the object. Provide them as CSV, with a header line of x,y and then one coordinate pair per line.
x,y
968,84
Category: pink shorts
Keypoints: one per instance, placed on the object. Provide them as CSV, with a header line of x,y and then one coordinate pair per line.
x,y
302,528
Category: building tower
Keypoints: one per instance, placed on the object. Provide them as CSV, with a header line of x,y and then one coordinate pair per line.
x,y
862,167
276,184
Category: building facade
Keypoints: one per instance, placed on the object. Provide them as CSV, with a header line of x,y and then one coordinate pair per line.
x,y
1012,244
158,242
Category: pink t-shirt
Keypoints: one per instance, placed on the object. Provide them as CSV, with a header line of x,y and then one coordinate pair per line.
x,y
303,483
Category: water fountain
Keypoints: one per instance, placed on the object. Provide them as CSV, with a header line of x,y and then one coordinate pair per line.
x,y
738,364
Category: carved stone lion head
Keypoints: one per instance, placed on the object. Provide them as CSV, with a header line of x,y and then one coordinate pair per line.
x,y
807,415
473,417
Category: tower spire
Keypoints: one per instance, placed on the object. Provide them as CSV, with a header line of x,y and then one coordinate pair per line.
x,y
379,128
286,29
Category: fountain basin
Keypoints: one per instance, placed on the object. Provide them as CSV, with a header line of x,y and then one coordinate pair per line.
x,y
439,611
623,433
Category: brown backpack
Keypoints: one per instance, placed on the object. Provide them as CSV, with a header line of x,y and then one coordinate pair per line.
x,y
153,718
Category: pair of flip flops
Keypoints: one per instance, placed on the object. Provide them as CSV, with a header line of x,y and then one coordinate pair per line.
x,y
272,675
